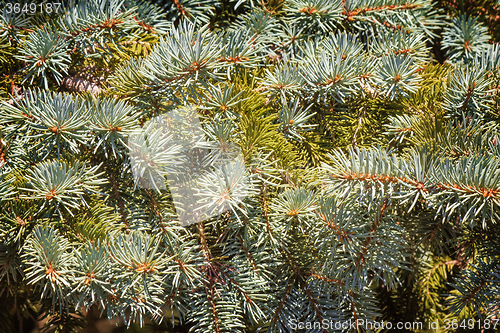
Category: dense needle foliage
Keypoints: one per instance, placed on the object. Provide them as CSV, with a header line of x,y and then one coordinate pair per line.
x,y
343,158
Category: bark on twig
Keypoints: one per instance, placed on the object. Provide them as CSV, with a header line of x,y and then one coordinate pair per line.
x,y
71,83
12,101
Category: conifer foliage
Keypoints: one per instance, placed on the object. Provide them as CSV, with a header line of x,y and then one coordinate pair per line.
x,y
345,167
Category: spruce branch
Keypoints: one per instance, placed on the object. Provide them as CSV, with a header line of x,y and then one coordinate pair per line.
x,y
464,38
111,122
45,52
293,120
58,184
292,227
314,15
49,264
397,76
